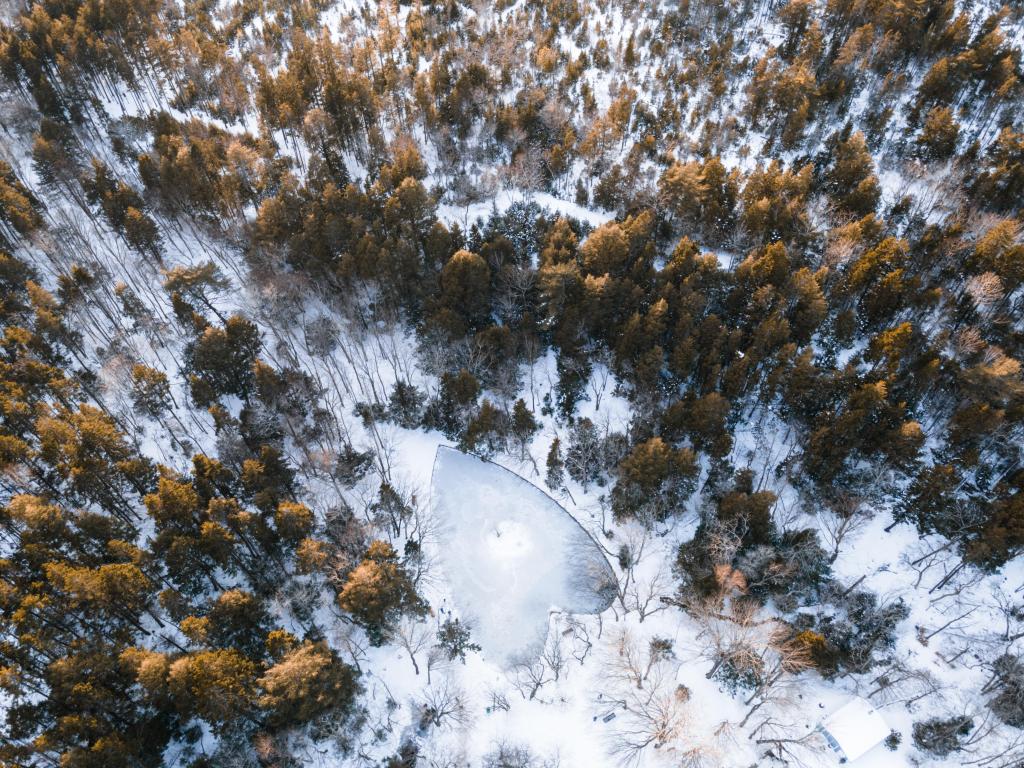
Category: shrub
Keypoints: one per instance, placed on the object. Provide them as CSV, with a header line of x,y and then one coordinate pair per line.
x,y
941,737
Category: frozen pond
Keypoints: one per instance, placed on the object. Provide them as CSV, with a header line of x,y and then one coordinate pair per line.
x,y
512,554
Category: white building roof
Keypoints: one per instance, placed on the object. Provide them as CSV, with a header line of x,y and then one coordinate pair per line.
x,y
854,729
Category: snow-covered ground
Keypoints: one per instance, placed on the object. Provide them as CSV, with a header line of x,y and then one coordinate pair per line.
x,y
512,555
509,554
467,215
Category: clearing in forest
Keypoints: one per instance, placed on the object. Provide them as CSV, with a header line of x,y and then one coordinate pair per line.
x,y
512,555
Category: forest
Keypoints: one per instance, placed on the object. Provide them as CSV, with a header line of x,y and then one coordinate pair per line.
x,y
739,284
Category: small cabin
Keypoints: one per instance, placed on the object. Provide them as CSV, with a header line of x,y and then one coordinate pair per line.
x,y
854,729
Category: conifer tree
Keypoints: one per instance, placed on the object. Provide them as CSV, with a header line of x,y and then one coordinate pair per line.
x,y
555,477
379,591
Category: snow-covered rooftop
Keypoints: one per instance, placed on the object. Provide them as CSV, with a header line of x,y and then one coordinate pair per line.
x,y
854,729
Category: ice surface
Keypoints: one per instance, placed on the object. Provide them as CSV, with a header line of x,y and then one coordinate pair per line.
x,y
512,554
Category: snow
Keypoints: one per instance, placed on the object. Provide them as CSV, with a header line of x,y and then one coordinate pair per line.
x,y
466,215
508,549
857,727
512,555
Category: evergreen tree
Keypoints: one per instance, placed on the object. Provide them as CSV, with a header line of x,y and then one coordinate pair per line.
x,y
555,477
653,482
307,682
379,591
523,427
222,359
216,686
939,135
851,177
454,639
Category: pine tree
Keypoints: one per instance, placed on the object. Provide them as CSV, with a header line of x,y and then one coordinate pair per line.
x,y
308,682
555,477
454,639
629,57
217,686
379,591
851,176
683,191
606,251
939,135
653,481
583,460
223,358
198,284
151,391
523,427
465,288
1001,182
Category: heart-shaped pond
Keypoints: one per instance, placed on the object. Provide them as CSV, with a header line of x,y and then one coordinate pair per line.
x,y
512,554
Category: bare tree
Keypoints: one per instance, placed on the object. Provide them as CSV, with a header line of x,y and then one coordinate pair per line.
x,y
642,692
985,290
780,662
1012,612
414,636
788,747
598,382
353,642
924,635
903,684
627,665
507,755
644,595
723,542
443,704
526,171
554,654
576,633
514,289
655,717
750,652
440,754
632,551
924,555
1003,749
845,515
499,701
712,750
437,659
728,632
528,676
